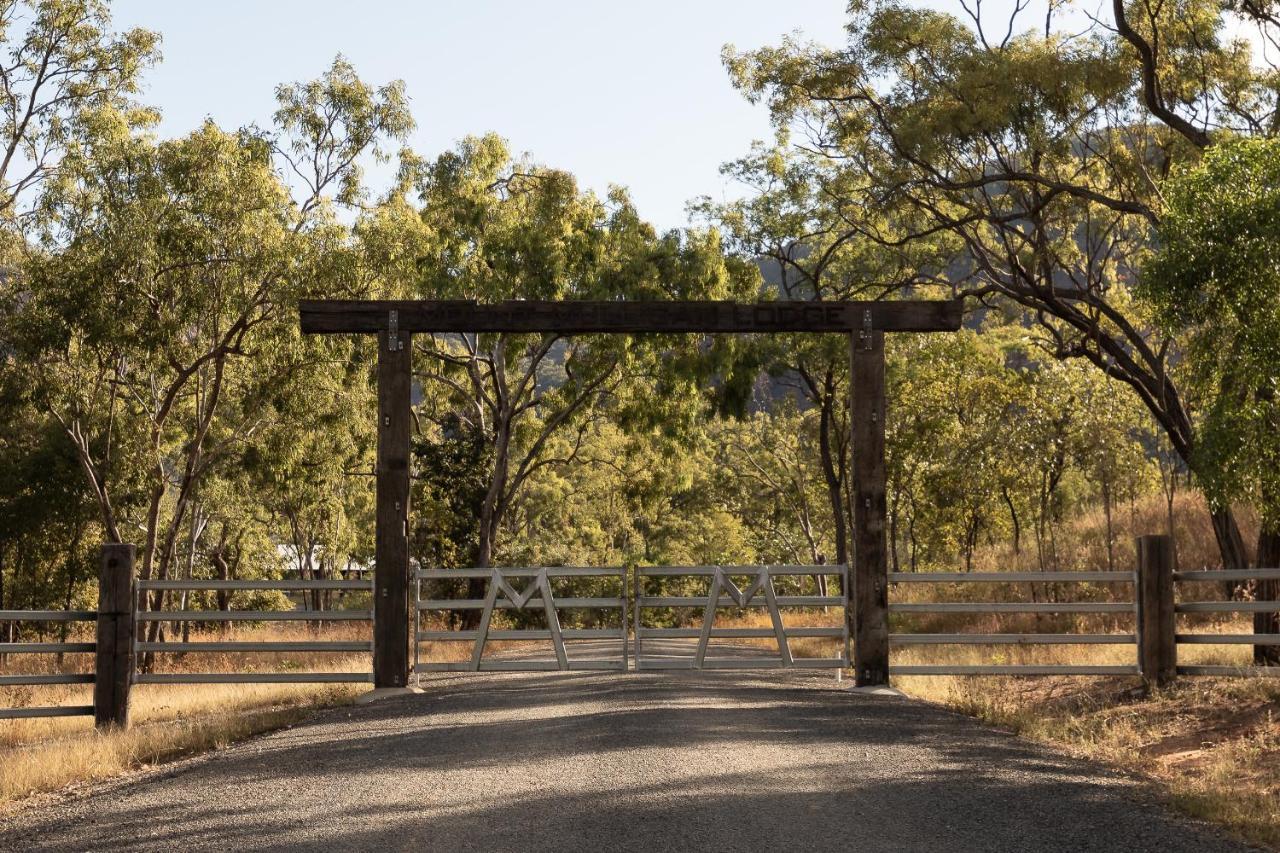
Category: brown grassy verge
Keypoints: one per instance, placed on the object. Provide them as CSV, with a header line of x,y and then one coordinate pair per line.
x,y
169,721
1212,745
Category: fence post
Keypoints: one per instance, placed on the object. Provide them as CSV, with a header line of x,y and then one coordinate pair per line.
x,y
391,538
1267,590
115,648
870,588
1157,643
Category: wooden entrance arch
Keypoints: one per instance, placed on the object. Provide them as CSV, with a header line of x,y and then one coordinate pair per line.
x,y
395,322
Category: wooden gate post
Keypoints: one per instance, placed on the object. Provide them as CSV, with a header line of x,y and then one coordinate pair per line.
x,y
870,593
114,658
1157,643
391,543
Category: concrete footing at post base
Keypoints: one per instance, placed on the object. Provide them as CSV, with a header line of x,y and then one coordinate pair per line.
x,y
379,693
876,690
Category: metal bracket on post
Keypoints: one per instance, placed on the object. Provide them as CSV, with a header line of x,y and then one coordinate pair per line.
x,y
864,336
393,331
870,624
865,341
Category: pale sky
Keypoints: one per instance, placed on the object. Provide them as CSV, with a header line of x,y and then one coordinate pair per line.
x,y
618,92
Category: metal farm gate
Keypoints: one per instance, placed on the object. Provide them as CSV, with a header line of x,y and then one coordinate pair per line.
x,y
723,592
503,595
1151,618
524,595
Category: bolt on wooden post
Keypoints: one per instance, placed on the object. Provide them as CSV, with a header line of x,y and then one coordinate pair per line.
x,y
1157,640
870,598
391,542
114,660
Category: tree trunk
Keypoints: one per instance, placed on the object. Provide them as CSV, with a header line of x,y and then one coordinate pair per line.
x,y
893,536
1017,524
971,539
73,549
222,596
1267,590
195,532
8,626
1106,511
65,627
1230,545
911,537
1230,542
469,620
831,471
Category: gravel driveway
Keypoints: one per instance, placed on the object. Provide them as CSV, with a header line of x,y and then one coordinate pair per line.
x,y
643,761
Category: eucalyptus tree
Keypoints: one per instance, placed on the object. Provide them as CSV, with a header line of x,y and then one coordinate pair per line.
x,y
61,66
47,524
636,496
1216,278
1037,148
1112,446
775,481
497,227
165,263
61,69
310,468
791,222
949,462
158,313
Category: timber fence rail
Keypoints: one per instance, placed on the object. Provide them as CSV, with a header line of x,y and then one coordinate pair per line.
x,y
724,592
1154,608
898,640
503,594
143,616
112,648
601,617
41,648
1227,607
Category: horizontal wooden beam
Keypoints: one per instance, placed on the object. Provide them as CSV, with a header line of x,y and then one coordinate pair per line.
x,y
582,317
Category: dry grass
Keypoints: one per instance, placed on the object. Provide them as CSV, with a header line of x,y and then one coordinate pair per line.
x,y
1081,542
169,721
87,756
1213,745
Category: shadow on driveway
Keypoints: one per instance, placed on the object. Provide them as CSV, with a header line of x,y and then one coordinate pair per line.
x,y
647,761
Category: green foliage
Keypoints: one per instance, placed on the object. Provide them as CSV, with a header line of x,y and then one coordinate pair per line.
x,y
1216,278
156,327
770,465
329,123
990,441
154,386
64,74
453,477
1019,156
493,228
